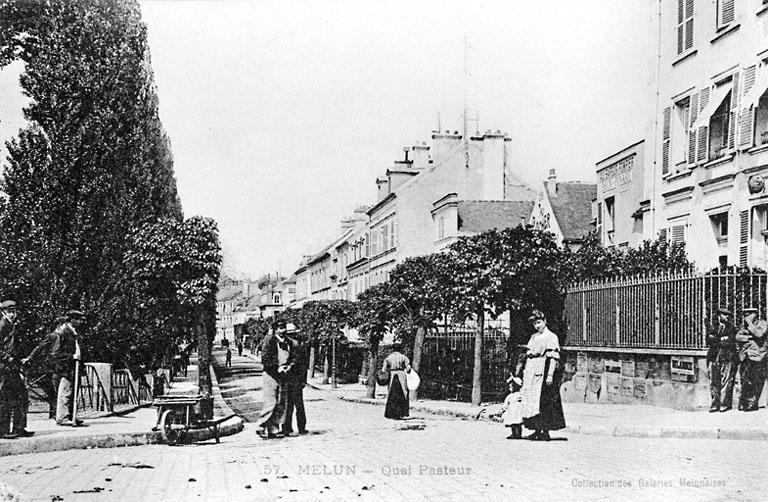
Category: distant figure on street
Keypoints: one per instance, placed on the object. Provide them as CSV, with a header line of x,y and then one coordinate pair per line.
x,y
63,350
542,406
722,360
240,348
752,351
277,360
14,400
512,410
229,358
296,380
398,365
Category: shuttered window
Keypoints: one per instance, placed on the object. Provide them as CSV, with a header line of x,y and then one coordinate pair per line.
x,y
665,145
678,233
694,114
663,234
743,238
684,25
747,112
734,112
726,12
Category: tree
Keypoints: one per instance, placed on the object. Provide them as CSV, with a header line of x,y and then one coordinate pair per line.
x,y
92,165
372,320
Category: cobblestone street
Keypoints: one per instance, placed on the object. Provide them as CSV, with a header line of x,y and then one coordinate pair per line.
x,y
354,453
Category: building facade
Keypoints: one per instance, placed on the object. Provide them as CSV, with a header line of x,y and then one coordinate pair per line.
x,y
711,154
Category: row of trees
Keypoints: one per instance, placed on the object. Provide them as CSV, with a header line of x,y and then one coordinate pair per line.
x,y
510,271
89,213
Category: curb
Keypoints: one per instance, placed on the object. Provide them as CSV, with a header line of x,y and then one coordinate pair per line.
x,y
614,430
115,440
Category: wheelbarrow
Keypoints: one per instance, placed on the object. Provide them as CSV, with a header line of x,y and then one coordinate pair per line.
x,y
176,415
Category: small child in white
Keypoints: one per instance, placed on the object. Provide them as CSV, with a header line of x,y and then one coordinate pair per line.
x,y
512,411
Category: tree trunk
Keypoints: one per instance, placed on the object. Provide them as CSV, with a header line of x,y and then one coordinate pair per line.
x,y
418,345
477,373
312,358
373,367
203,360
327,365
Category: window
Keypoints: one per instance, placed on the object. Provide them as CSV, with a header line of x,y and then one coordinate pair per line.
x,y
753,119
726,10
720,227
680,130
610,212
719,127
441,227
385,237
684,25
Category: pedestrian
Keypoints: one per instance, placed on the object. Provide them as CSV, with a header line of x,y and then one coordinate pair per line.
x,y
14,400
277,360
398,365
722,360
296,380
229,358
752,351
185,359
240,348
63,350
542,406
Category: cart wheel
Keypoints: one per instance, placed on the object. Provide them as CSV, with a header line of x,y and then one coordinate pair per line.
x,y
171,434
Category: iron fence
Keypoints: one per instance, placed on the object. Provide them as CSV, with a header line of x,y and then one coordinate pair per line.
x,y
665,311
448,360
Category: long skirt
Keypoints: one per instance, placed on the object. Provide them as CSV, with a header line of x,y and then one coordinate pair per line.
x,y
397,397
542,407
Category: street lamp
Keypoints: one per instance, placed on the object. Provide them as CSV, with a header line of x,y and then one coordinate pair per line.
x,y
333,320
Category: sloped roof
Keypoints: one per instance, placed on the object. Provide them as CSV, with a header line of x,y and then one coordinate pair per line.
x,y
229,292
478,216
572,207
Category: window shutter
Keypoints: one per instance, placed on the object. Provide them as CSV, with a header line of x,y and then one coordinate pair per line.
x,y
694,108
743,238
749,79
692,146
663,234
746,127
727,11
703,98
702,144
732,119
680,26
678,233
688,24
666,140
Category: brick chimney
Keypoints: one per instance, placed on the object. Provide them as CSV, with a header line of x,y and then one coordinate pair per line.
x,y
552,183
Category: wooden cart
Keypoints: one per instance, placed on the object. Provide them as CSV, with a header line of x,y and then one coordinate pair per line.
x,y
178,414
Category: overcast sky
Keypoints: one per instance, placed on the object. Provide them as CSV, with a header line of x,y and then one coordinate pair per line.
x,y
282,114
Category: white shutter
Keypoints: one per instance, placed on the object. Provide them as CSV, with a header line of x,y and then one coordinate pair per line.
x,y
688,24
702,144
747,114
665,145
727,11
694,113
743,238
733,116
678,234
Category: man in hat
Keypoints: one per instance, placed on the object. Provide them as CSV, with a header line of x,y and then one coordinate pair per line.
x,y
296,379
14,400
722,361
63,351
277,361
752,354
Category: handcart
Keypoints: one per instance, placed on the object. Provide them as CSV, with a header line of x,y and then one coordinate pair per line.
x,y
177,414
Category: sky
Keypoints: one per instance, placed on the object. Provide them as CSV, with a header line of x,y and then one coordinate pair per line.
x,y
282,114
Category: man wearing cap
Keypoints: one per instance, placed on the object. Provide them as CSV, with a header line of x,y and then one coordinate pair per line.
x,y
14,401
63,351
296,379
752,354
722,361
277,361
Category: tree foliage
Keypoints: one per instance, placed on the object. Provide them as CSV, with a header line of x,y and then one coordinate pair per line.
x,y
91,217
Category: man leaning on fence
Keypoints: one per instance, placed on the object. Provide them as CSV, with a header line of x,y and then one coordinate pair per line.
x,y
722,361
63,353
752,351
14,401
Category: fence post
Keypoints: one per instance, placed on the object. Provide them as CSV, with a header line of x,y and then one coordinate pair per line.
x,y
656,315
583,317
618,319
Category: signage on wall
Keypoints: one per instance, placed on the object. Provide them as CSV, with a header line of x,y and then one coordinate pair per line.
x,y
682,368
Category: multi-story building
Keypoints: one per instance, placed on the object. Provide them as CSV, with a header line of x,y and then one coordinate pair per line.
x,y
236,302
621,203
711,135
565,210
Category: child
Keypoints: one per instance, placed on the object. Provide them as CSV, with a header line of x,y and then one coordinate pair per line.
x,y
512,409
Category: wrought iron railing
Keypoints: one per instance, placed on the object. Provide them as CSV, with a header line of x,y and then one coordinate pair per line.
x,y
665,311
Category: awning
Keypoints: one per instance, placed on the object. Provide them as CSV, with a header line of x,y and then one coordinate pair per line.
x,y
753,96
716,99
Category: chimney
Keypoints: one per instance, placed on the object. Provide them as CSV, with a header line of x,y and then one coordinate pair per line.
x,y
492,167
382,188
420,155
443,144
346,224
552,183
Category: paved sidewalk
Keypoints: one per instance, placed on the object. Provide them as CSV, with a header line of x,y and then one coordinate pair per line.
x,y
129,427
600,419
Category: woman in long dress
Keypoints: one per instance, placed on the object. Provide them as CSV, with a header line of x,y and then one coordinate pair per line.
x,y
542,407
397,396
